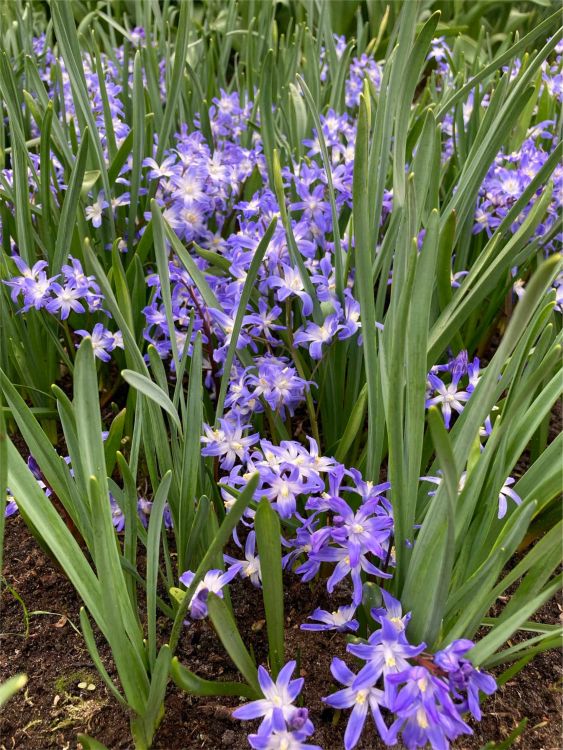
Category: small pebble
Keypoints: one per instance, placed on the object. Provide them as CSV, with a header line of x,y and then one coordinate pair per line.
x,y
228,738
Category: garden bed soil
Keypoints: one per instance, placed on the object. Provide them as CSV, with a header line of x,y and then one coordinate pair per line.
x,y
53,709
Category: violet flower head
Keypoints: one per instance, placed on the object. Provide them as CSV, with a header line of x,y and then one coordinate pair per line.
x,y
342,620
465,680
392,612
506,492
11,506
279,697
290,735
250,566
425,711
117,515
360,700
385,653
213,582
228,442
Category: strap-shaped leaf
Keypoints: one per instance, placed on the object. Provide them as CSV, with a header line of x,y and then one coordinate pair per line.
x,y
428,579
228,633
194,685
67,220
90,641
153,554
219,541
268,536
191,456
151,390
500,634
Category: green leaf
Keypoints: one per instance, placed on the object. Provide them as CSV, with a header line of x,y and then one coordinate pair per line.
x,y
87,410
123,633
9,688
265,99
339,273
241,312
138,151
151,390
415,64
90,641
216,546
428,578
353,426
268,536
67,37
190,265
89,743
228,633
500,634
510,740
153,555
113,441
153,712
39,509
364,253
191,457
174,86
526,42
194,685
3,480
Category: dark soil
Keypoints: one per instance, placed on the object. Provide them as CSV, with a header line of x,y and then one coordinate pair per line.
x,y
53,709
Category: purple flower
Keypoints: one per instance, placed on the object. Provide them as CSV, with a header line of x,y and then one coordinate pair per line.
x,y
360,531
448,396
386,653
95,211
284,490
465,680
507,492
156,172
66,298
340,620
20,284
425,711
392,612
344,567
289,285
213,582
250,566
11,506
117,515
228,442
102,341
279,696
315,336
359,699
144,510
285,736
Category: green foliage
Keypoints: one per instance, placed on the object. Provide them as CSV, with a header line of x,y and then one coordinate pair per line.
x,y
366,406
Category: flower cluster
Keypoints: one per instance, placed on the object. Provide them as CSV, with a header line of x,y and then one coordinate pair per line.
x,y
71,290
426,694
508,177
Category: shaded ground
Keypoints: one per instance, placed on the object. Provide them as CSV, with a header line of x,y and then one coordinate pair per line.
x,y
53,708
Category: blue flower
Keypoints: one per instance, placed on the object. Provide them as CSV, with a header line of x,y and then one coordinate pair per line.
x,y
340,620
360,700
465,680
425,711
279,697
